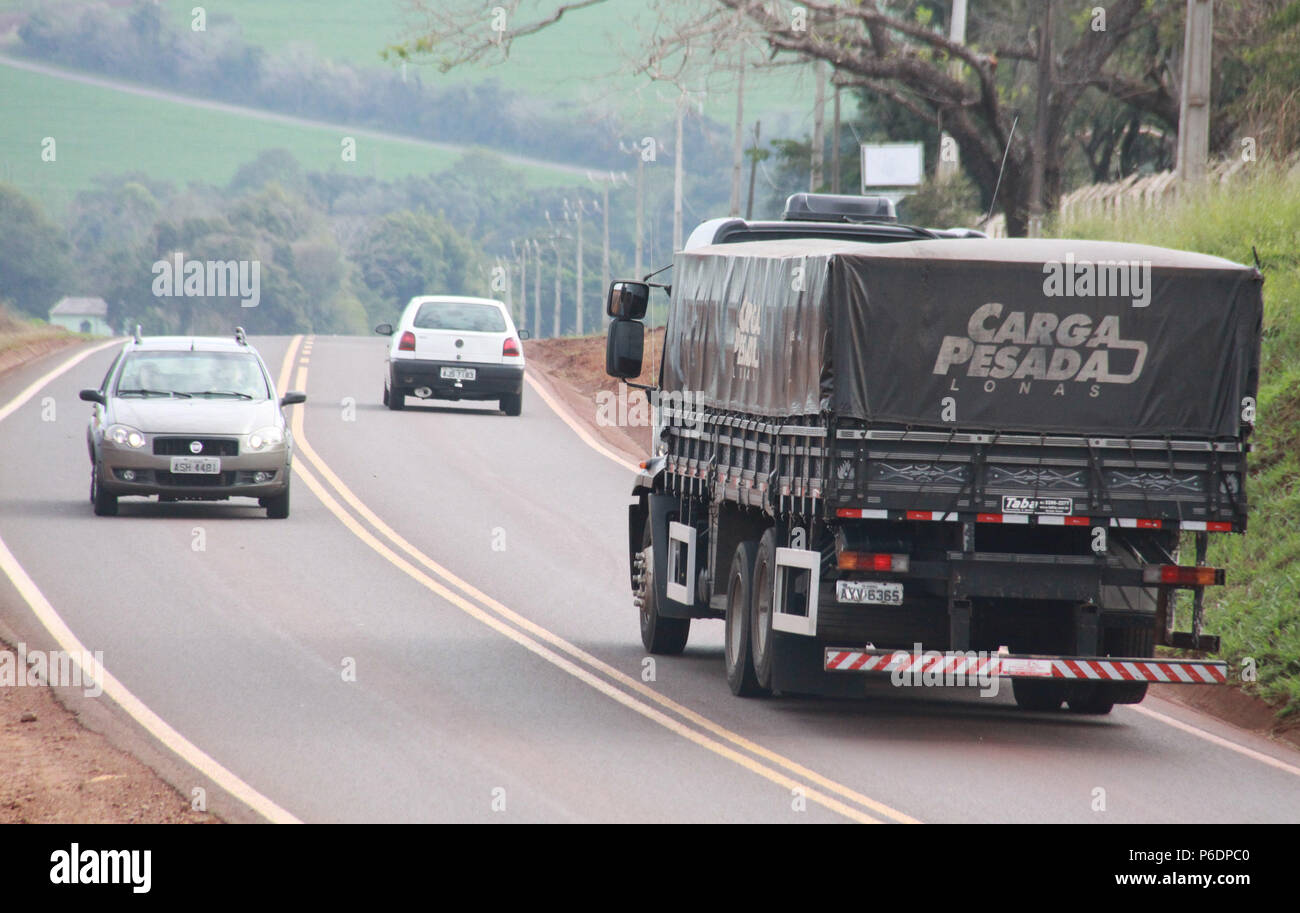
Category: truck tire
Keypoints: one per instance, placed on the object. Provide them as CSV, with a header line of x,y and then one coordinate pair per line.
x,y
1042,697
739,658
760,611
1092,698
660,636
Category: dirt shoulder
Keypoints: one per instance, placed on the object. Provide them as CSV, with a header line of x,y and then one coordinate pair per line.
x,y
53,770
574,368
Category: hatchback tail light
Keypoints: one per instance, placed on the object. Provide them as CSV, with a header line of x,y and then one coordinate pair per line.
x,y
407,342
510,347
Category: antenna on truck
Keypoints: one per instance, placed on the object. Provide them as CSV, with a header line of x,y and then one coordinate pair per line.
x,y
994,201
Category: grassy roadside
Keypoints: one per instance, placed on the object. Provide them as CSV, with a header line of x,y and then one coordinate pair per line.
x,y
1258,612
17,333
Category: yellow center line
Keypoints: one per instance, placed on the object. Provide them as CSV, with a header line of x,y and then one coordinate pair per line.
x,y
554,640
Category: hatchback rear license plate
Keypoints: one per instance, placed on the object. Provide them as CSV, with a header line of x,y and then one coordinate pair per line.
x,y
869,592
196,465
459,373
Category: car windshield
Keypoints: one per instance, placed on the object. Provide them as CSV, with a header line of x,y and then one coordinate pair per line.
x,y
463,316
233,375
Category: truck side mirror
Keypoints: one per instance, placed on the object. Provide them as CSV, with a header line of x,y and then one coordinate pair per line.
x,y
627,300
623,348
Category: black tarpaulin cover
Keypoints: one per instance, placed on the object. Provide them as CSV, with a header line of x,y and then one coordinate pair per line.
x,y
1070,336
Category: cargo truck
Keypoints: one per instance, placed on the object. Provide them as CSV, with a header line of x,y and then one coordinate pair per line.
x,y
881,449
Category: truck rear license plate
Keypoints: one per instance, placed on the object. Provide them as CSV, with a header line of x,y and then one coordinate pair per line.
x,y
196,465
869,592
459,373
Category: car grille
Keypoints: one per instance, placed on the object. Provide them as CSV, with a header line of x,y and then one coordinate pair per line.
x,y
195,479
180,446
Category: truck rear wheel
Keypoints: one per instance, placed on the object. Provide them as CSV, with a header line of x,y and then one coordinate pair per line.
x,y
1094,698
1043,697
739,657
660,635
760,614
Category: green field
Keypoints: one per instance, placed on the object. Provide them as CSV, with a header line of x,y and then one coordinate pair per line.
x,y
102,131
573,61
1258,612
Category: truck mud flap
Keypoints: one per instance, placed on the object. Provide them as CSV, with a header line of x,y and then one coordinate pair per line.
x,y
661,507
972,665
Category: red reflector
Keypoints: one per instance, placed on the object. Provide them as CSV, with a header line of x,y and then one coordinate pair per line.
x,y
849,513
407,342
1183,575
918,515
1215,527
868,561
1077,521
988,518
1148,524
510,347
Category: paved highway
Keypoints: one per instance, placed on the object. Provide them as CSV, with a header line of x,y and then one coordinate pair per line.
x,y
442,630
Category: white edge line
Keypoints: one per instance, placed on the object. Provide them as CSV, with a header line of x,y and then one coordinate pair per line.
x,y
1217,740
563,412
116,691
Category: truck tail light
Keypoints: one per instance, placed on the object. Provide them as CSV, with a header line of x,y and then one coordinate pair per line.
x,y
510,347
868,561
407,342
1182,575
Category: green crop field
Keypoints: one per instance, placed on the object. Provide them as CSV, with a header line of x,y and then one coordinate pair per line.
x,y
102,131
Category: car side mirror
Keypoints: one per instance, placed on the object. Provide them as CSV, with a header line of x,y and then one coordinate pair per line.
x,y
624,346
94,396
627,300
293,398
524,334
384,329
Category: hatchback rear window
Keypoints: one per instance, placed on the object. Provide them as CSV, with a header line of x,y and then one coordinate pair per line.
x,y
462,316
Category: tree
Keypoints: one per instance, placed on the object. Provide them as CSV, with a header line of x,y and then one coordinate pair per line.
x,y
899,51
35,269
414,253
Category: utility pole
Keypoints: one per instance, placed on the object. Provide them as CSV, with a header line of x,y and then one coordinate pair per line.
x,y
1194,108
638,150
537,289
522,255
738,143
1036,207
949,156
605,182
835,145
819,127
755,156
679,165
578,295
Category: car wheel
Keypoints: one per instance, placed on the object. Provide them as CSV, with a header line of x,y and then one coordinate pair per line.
x,y
513,403
760,608
739,657
277,507
105,503
659,635
395,398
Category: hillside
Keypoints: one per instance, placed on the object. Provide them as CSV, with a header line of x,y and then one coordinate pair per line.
x,y
1259,604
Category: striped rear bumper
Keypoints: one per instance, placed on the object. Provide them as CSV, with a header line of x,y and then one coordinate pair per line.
x,y
984,665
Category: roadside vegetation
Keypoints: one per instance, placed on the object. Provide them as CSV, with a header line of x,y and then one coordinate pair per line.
x,y
1258,612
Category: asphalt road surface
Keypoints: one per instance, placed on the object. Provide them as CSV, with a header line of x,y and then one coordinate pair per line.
x,y
442,630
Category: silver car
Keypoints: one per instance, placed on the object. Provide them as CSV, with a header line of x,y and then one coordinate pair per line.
x,y
189,418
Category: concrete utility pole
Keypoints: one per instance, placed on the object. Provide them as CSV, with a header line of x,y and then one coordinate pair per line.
x,y
522,255
950,164
578,294
537,289
1194,109
835,144
605,181
1036,208
738,141
753,170
555,320
819,127
679,174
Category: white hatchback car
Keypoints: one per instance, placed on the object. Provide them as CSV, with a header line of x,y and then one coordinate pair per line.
x,y
453,347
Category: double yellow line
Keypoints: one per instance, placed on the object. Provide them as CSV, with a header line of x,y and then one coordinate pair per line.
x,y
609,681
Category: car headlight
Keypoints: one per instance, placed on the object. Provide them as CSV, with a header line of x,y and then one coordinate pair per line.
x,y
125,436
266,437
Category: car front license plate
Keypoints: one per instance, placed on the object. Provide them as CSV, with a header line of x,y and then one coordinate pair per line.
x,y
869,592
459,373
196,465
